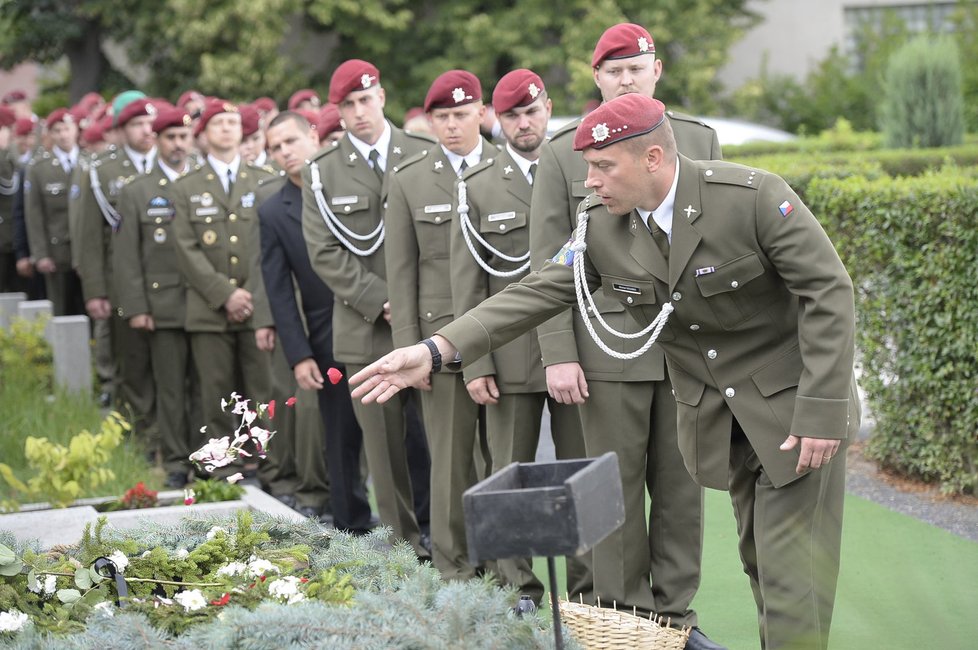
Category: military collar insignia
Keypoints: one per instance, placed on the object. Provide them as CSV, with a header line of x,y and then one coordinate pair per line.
x,y
397,150
353,157
508,169
690,211
439,164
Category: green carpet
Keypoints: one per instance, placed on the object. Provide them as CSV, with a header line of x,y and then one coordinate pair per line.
x,y
904,584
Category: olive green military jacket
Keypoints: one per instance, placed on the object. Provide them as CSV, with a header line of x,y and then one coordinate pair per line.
x,y
147,280
8,189
46,192
557,189
419,222
764,323
497,205
356,196
94,212
217,245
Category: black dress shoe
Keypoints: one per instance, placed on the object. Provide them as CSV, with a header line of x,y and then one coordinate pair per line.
x,y
699,641
176,480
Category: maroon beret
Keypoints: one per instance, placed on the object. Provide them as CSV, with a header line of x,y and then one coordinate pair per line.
x,y
355,74
311,116
7,116
136,108
91,100
59,115
189,96
265,104
517,88
211,108
622,41
413,112
14,96
80,114
93,134
304,95
250,119
329,120
451,89
106,123
170,117
23,126
625,116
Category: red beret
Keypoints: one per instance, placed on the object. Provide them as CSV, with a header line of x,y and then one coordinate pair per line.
x,y
189,96
211,108
250,119
517,88
265,104
59,115
311,116
23,126
622,41
355,74
93,134
80,113
7,116
106,123
624,117
91,100
136,108
299,96
451,89
170,117
413,112
329,120
14,96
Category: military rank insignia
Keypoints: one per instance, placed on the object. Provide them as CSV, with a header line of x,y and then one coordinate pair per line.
x,y
786,208
565,255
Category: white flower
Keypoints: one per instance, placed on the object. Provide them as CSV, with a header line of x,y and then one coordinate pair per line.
x,y
214,453
182,553
12,621
212,533
119,559
643,44
366,80
105,608
232,569
600,132
286,589
48,587
145,554
260,567
234,478
459,95
191,599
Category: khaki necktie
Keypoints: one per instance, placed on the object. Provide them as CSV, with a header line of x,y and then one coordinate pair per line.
x,y
660,238
533,172
374,157
462,167
230,182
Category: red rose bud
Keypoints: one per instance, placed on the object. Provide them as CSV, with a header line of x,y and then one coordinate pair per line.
x,y
271,409
334,376
222,601
290,401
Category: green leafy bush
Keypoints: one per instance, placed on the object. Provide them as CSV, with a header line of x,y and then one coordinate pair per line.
x,y
910,245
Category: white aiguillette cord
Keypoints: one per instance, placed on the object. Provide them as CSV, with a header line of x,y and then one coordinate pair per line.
x,y
578,247
336,226
468,231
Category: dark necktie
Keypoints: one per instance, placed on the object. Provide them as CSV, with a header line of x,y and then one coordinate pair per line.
x,y
533,172
462,167
660,237
230,182
375,163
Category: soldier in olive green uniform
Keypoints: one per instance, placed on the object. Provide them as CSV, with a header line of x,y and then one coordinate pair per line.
x,y
96,217
46,206
152,295
216,228
345,238
419,221
8,190
636,393
491,249
759,339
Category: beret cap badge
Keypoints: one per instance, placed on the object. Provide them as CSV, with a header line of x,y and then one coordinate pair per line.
x,y
459,95
534,90
600,132
366,80
643,44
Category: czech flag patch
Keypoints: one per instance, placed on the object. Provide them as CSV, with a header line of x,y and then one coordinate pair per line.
x,y
565,255
786,208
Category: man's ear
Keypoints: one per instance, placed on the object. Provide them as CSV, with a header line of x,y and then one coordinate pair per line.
x,y
654,156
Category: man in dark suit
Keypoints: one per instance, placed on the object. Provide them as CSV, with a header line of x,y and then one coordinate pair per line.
x,y
292,140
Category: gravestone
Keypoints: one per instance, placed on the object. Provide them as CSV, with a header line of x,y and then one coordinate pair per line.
x,y
8,307
34,309
68,337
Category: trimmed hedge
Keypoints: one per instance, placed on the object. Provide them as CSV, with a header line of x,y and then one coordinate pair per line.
x,y
911,246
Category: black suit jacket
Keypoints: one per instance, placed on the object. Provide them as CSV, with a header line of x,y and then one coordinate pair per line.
x,y
283,257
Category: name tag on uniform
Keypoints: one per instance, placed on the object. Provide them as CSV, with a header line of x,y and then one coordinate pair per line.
x,y
501,216
248,200
54,188
206,212
626,288
159,212
434,209
706,270
344,200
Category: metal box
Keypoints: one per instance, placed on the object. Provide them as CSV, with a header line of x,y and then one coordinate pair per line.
x,y
544,509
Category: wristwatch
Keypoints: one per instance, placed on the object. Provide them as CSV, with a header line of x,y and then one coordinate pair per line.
x,y
436,363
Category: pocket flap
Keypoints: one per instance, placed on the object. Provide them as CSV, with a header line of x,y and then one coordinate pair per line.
x,y
628,291
502,221
688,389
437,215
349,204
433,309
730,276
783,372
160,281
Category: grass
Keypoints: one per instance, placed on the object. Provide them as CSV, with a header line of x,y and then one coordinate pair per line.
x,y
28,409
904,584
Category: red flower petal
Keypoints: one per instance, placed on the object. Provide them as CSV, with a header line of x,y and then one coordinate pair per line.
x,y
334,376
290,401
271,409
222,601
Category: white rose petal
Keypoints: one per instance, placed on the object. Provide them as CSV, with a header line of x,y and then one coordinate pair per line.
x,y
105,608
261,567
12,621
50,584
191,600
212,533
287,589
232,569
119,559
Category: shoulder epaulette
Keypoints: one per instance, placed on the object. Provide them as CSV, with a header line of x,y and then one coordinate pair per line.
x,y
417,135
730,174
682,117
475,169
325,151
570,127
411,160
590,202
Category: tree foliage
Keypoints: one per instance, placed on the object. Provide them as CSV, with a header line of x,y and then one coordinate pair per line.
x,y
245,48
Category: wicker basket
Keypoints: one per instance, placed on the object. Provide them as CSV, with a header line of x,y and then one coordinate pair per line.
x,y
598,628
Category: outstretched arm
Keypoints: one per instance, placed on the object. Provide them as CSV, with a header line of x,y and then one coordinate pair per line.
x,y
403,368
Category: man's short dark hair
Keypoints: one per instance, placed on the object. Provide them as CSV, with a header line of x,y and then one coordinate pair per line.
x,y
289,115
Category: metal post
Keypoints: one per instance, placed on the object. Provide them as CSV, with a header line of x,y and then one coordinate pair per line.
x,y
558,633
